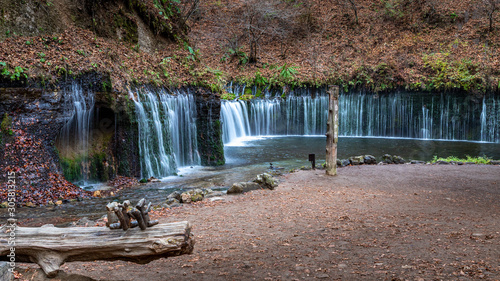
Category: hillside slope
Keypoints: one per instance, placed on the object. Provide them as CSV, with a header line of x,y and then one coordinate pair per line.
x,y
377,45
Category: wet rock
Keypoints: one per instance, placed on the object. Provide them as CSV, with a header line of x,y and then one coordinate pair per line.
x,y
440,162
345,162
175,195
495,162
153,179
417,162
370,160
241,187
266,181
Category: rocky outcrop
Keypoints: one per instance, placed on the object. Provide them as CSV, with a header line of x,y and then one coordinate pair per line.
x,y
210,145
37,118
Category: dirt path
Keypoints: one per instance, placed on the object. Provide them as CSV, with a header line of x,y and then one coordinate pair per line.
x,y
394,222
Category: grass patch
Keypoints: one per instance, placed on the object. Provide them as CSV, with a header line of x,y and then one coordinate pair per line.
x,y
468,159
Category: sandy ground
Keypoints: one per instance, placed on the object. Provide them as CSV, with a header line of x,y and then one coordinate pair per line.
x,y
392,222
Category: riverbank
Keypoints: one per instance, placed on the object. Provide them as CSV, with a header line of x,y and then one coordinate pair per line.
x,y
398,222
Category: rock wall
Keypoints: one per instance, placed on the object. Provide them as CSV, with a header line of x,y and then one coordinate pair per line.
x,y
36,118
210,145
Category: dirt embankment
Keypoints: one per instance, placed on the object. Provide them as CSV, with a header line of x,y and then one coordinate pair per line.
x,y
394,222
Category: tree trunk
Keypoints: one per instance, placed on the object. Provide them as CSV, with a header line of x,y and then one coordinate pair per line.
x,y
50,246
332,133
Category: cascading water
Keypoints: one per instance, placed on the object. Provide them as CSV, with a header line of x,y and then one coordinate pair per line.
x,y
73,141
167,132
399,115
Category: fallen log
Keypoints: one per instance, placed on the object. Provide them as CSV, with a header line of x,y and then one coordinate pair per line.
x,y
50,246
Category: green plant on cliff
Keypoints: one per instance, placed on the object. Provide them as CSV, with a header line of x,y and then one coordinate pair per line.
x,y
448,74
6,125
72,167
285,75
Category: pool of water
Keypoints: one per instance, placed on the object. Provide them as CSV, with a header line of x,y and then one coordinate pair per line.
x,y
291,151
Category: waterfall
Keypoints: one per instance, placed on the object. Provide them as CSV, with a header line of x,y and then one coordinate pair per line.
x,y
167,131
490,120
73,141
234,117
398,115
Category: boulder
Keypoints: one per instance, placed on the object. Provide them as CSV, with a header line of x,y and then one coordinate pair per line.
x,y
266,181
416,162
339,163
185,198
193,195
370,160
345,162
175,195
171,201
494,162
241,187
386,158
398,159
357,160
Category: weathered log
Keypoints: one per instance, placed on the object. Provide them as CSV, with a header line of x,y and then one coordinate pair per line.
x,y
50,246
332,131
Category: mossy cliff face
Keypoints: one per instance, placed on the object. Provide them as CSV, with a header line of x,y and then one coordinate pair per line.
x,y
209,127
37,115
112,142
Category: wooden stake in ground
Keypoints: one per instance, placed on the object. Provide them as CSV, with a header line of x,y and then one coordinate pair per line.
x,y
332,130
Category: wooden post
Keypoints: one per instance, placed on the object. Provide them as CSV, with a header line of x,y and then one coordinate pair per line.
x,y
332,130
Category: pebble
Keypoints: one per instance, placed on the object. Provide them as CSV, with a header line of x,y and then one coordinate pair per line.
x,y
342,265
214,199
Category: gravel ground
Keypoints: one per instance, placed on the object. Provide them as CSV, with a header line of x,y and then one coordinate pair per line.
x,y
385,222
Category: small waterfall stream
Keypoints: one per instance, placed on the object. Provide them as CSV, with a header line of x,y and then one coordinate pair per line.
x,y
73,141
398,115
167,131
